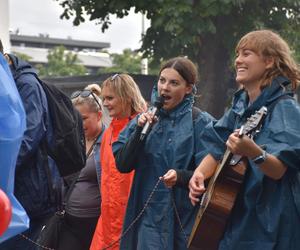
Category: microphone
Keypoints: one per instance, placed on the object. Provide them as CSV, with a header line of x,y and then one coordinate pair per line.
x,y
158,103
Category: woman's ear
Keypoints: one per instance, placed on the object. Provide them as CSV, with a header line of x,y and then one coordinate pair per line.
x,y
270,61
99,115
189,89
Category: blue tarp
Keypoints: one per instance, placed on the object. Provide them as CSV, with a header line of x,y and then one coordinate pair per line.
x,y
12,126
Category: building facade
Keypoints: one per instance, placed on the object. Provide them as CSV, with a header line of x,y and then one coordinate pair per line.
x,y
4,24
89,53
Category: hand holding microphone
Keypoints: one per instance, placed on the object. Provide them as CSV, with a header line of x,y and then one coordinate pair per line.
x,y
146,120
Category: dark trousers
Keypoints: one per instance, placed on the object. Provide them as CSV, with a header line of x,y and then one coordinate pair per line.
x,y
20,243
78,233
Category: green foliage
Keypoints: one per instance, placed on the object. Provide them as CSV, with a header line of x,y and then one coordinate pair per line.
x,y
127,62
61,63
293,38
204,30
179,26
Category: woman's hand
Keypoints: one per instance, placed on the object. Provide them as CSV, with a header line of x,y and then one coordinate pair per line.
x,y
242,145
170,178
146,117
196,186
205,170
245,146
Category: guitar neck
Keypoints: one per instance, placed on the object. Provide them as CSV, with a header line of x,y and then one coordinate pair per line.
x,y
225,161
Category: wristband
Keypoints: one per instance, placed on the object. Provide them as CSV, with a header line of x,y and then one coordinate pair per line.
x,y
261,158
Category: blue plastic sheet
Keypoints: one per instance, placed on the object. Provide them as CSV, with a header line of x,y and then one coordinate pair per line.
x,y
12,126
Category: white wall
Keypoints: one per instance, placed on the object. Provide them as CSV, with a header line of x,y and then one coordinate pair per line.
x,y
4,24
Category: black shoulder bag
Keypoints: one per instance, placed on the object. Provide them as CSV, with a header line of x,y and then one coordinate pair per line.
x,y
49,237
50,233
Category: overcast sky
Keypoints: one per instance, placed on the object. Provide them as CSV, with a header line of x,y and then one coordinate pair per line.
x,y
33,17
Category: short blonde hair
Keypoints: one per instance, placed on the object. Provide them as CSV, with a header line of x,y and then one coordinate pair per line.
x,y
90,101
269,44
126,88
95,88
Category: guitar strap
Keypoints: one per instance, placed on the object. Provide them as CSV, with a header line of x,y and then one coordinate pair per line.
x,y
195,114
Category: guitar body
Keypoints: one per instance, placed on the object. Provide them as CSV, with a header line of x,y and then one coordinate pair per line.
x,y
222,190
211,220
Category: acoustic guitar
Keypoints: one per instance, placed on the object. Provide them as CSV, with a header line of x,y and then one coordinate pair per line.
x,y
223,187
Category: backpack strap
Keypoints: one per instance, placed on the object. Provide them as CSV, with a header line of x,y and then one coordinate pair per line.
x,y
69,192
195,114
52,192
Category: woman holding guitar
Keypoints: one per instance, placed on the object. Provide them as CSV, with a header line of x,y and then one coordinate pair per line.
x,y
266,213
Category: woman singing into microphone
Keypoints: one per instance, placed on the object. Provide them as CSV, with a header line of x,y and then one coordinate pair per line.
x,y
170,144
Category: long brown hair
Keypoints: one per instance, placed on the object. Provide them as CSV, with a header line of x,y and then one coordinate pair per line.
x,y
269,44
185,67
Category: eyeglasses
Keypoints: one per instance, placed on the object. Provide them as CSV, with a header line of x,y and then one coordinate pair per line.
x,y
85,94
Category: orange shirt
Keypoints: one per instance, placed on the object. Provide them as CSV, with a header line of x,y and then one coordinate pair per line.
x,y
115,189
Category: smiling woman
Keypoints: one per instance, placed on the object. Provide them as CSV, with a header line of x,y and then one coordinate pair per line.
x,y
123,100
265,211
250,67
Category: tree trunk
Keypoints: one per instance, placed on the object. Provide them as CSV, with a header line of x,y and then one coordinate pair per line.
x,y
216,79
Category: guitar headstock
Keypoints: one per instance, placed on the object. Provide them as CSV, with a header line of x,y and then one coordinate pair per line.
x,y
254,121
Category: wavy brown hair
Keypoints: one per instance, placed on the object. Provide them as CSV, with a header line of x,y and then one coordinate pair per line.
x,y
269,44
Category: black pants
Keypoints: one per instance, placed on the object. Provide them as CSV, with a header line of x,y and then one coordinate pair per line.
x,y
78,233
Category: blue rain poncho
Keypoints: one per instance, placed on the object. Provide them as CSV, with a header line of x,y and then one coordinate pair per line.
x,y
266,214
12,126
171,144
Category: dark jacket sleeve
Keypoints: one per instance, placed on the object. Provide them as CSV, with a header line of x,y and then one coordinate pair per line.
x,y
35,105
126,156
183,177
